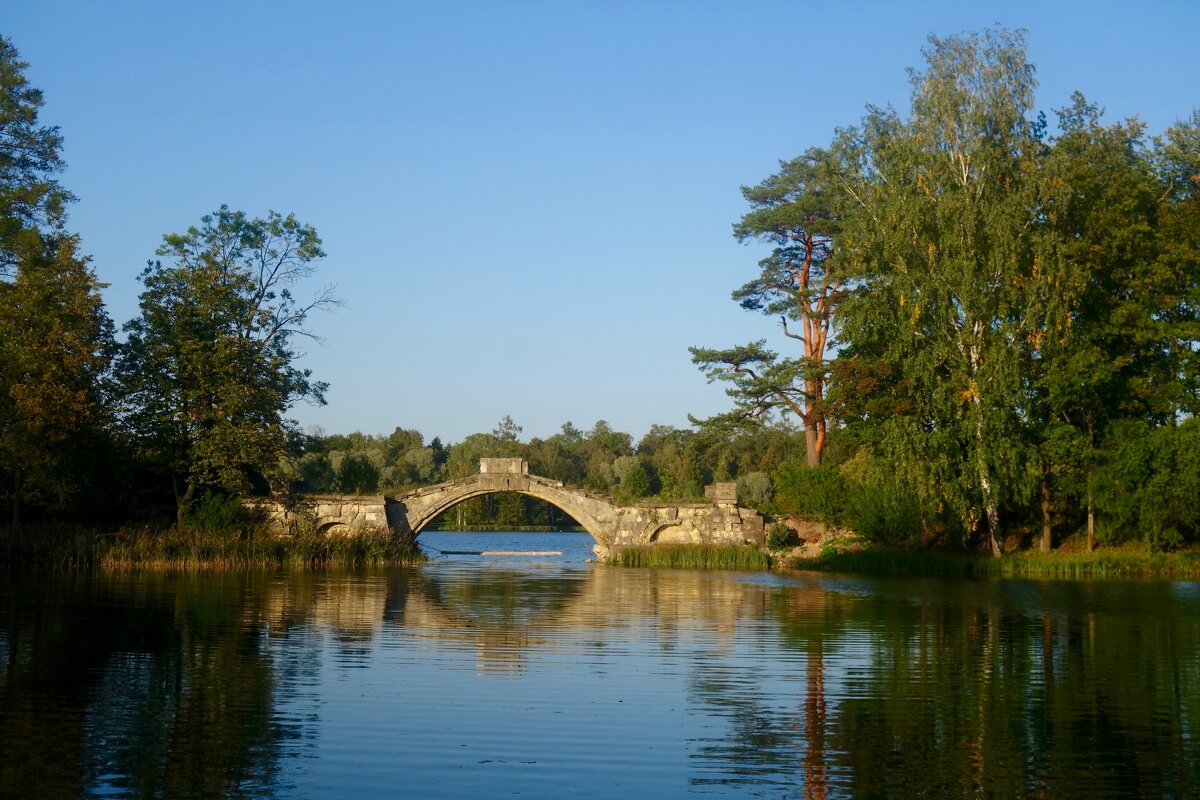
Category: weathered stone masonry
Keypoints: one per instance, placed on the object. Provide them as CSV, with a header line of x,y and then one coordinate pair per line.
x,y
611,525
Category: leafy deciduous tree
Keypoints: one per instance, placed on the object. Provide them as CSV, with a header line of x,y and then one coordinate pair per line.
x,y
55,347
31,200
209,369
940,243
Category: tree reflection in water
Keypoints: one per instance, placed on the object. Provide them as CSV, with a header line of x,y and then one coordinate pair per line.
x,y
150,685
806,686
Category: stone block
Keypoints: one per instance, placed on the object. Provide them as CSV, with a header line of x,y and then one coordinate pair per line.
x,y
722,493
503,466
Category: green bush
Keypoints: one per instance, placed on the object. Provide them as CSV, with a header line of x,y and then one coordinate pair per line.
x,y
636,483
869,503
882,512
813,492
780,536
1148,484
215,514
755,490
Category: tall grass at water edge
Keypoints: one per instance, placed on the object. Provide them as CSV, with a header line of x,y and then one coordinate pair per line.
x,y
692,556
1100,564
77,547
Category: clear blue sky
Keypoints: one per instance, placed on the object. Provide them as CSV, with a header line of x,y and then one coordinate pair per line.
x,y
526,205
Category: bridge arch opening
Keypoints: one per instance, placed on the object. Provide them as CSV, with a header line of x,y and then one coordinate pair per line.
x,y
514,511
559,499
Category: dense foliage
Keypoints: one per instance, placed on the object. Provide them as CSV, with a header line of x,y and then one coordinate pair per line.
x,y
1018,337
207,372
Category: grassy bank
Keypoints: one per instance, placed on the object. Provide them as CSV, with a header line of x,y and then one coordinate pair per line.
x,y
692,556
67,547
1026,564
877,561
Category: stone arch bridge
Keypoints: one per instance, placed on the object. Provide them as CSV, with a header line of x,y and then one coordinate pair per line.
x,y
611,525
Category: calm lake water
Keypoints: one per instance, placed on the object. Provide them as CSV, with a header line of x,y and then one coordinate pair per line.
x,y
553,677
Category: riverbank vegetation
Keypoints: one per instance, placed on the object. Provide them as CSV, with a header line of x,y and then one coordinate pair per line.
x,y
693,556
1122,563
189,547
992,326
1126,562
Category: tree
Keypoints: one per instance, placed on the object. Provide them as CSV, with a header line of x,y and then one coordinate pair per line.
x,y
507,431
55,348
755,489
1177,156
400,441
420,465
559,456
1099,346
31,200
939,246
463,458
635,481
55,337
357,474
796,210
208,370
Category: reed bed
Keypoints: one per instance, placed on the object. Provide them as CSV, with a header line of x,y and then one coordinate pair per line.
x,y
1100,564
693,556
193,548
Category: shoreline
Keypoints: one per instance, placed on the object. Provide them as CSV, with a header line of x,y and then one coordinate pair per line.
x,y
76,547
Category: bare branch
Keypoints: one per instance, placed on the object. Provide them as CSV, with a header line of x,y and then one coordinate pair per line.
x,y
788,333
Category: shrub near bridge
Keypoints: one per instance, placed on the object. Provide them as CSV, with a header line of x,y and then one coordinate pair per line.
x,y
875,507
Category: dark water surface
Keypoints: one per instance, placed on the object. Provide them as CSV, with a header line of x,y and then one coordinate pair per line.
x,y
548,677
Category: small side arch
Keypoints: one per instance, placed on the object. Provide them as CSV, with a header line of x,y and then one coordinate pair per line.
x,y
674,533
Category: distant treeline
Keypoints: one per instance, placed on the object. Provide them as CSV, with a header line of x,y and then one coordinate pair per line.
x,y
666,463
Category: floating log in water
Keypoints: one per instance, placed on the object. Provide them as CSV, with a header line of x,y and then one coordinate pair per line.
x,y
501,552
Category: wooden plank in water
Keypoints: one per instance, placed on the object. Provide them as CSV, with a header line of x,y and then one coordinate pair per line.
x,y
501,552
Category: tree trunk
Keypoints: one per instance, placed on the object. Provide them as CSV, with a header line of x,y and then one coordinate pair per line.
x,y
1091,525
183,502
1091,509
812,443
1046,528
985,486
993,520
926,533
